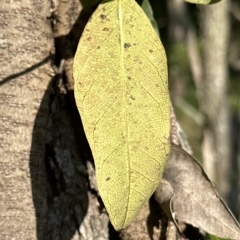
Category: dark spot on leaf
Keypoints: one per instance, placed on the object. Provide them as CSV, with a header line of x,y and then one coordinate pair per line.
x,y
102,16
108,178
79,83
133,98
129,78
106,29
89,38
127,45
98,47
151,51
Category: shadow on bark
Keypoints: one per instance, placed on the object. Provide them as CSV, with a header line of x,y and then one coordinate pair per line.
x,y
58,175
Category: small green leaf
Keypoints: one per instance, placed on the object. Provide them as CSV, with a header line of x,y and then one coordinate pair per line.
x,y
148,11
121,91
205,2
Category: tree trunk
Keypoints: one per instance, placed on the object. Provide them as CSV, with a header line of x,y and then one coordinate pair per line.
x,y
26,72
213,94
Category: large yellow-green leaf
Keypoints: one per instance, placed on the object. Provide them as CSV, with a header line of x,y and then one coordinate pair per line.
x,y
121,91
203,1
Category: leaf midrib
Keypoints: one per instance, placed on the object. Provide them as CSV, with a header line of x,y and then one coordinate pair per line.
x,y
124,85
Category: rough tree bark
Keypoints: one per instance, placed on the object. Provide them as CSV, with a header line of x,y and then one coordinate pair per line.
x,y
25,49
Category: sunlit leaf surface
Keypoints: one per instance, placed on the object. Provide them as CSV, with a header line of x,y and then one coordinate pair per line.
x,y
121,91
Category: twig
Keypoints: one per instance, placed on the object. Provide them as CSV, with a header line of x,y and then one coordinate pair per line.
x,y
194,58
190,111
